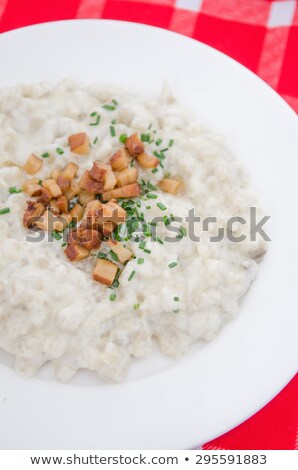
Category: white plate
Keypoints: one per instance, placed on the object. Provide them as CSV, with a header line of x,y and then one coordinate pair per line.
x,y
164,405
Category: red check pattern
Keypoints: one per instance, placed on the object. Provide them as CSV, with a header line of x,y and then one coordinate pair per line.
x,y
263,36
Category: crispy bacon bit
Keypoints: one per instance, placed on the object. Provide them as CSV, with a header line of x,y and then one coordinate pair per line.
x,y
75,252
62,203
127,176
105,272
109,180
73,191
85,197
28,182
131,190
90,239
107,228
52,186
33,211
98,171
89,184
91,213
69,171
63,184
55,174
61,224
116,213
123,254
79,143
147,161
134,145
43,222
53,207
171,185
33,190
33,164
77,213
45,196
120,160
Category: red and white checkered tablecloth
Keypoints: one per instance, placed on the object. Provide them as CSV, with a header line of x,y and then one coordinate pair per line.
x,y
263,36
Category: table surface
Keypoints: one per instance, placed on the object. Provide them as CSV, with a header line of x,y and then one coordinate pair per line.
x,y
260,34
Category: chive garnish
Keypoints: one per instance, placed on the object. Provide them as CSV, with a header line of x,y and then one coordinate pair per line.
x,y
93,114
101,255
45,155
115,283
159,240
114,256
147,251
114,121
56,235
113,297
151,186
5,210
112,131
151,196
40,182
145,137
164,150
14,190
176,311
96,122
161,206
154,171
171,142
109,107
95,140
176,299
158,142
142,245
59,151
123,138
115,102
141,261
173,264
131,275
63,244
148,207
136,306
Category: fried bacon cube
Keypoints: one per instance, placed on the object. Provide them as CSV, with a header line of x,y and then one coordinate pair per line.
x,y
134,145
33,211
76,252
62,203
120,160
73,191
33,164
79,143
55,174
33,190
77,213
63,183
45,196
90,239
129,191
89,184
171,185
123,253
105,272
98,171
126,177
147,161
69,171
52,186
85,197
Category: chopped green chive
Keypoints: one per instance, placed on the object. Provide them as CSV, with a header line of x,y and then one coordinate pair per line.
x,y
14,190
158,142
39,182
95,140
113,256
109,107
96,122
161,206
171,142
45,155
160,164
159,240
131,275
159,155
6,210
64,244
145,137
142,245
115,283
56,235
154,171
151,196
148,207
147,251
123,138
101,255
141,261
114,121
113,297
151,186
173,264
112,131
164,150
115,102
136,306
182,232
93,114
176,311
176,299
59,151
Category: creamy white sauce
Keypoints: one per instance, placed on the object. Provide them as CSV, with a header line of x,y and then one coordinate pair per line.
x,y
51,309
